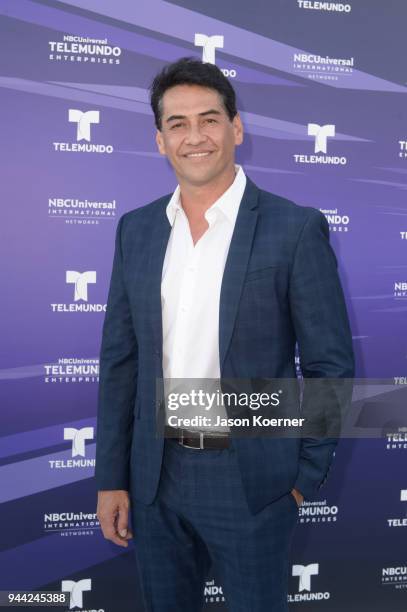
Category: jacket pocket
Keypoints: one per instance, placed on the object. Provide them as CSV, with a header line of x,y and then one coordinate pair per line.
x,y
260,273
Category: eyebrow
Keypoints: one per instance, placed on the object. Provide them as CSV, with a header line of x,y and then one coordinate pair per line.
x,y
211,111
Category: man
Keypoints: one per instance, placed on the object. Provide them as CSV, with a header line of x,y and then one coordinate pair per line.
x,y
219,280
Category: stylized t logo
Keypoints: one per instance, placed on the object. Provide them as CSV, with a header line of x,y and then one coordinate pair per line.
x,y
81,281
305,572
76,590
209,44
321,133
403,495
83,120
78,437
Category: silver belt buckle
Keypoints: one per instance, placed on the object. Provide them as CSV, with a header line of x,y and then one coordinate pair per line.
x,y
201,439
181,439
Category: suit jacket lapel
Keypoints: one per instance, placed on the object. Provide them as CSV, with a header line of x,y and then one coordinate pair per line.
x,y
233,276
158,240
236,265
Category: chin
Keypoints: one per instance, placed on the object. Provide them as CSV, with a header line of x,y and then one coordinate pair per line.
x,y
199,176
202,179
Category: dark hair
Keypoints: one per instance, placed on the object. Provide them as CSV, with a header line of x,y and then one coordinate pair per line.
x,y
190,71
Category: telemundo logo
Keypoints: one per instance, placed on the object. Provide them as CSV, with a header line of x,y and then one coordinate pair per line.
x,y
83,120
337,7
320,133
213,593
337,222
78,437
84,50
80,281
72,370
399,522
209,45
305,574
76,590
318,512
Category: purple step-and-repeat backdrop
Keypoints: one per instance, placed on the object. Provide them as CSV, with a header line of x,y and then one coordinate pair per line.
x,y
322,92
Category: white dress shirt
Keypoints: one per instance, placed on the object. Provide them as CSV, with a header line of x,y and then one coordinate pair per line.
x,y
190,290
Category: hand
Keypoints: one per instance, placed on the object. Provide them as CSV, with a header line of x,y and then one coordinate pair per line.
x,y
298,497
113,514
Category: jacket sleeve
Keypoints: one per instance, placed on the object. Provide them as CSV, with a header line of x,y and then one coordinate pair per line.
x,y
117,382
325,346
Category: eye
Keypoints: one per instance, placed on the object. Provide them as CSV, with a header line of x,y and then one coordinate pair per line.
x,y
210,120
176,126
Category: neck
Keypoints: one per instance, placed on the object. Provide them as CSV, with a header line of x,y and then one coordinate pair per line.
x,y
196,199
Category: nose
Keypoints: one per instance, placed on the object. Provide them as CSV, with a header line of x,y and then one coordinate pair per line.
x,y
195,136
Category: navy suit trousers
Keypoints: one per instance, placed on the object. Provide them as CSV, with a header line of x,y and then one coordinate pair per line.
x,y
200,518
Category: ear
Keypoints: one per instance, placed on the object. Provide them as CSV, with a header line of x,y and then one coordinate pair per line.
x,y
160,142
238,129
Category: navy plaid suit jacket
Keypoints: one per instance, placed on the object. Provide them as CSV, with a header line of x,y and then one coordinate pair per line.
x,y
280,286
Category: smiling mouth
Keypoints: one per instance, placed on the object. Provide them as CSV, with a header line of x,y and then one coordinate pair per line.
x,y
198,155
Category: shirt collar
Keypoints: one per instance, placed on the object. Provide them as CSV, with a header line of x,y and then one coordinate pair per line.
x,y
228,203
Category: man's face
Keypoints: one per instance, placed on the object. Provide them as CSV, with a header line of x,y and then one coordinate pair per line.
x,y
197,135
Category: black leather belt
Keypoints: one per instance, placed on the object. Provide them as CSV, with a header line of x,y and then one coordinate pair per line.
x,y
197,439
